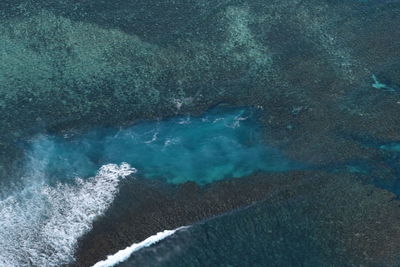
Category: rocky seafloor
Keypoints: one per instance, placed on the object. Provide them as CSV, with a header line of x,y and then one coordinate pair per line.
x,y
324,75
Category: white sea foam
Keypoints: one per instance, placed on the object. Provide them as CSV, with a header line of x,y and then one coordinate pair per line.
x,y
171,141
124,254
236,121
153,139
186,120
40,224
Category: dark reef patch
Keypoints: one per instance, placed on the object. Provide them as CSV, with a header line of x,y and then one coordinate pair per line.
x,y
315,222
144,207
330,217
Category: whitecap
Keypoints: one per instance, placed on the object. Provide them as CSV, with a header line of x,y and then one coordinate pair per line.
x,y
40,224
124,254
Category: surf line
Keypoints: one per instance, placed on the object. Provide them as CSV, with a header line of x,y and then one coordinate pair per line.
x,y
124,254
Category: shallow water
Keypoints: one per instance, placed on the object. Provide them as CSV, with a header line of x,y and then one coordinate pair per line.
x,y
68,181
219,144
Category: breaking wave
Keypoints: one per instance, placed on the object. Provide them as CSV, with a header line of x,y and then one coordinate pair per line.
x,y
40,224
124,254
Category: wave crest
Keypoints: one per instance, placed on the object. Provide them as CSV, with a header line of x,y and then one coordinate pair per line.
x,y
40,225
124,254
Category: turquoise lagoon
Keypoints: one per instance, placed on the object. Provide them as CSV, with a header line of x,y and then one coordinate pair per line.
x,y
222,143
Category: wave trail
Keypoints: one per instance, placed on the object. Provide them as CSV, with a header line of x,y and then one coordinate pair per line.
x,y
124,254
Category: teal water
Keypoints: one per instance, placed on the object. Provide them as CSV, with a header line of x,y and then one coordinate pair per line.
x,y
222,143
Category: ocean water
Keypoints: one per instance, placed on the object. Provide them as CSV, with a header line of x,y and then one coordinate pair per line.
x,y
68,181
298,226
217,145
316,67
267,234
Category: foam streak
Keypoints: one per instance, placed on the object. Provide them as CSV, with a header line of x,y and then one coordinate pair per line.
x,y
124,254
